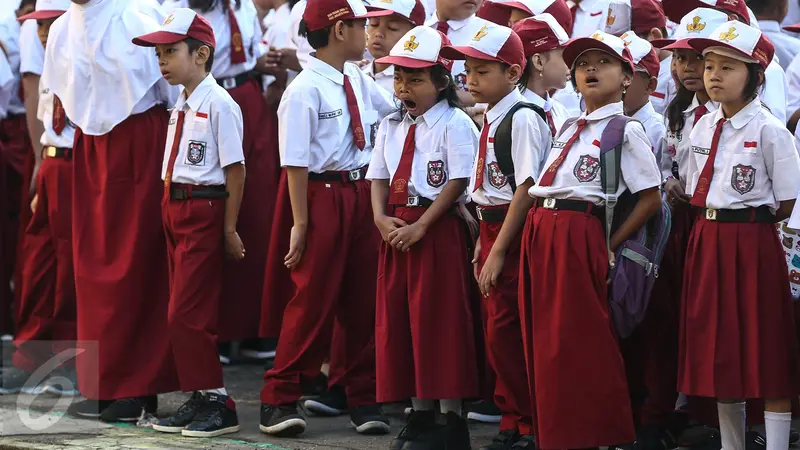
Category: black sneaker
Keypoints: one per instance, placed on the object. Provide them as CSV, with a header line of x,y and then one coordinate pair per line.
x,y
754,441
184,416
330,404
369,419
217,416
15,380
417,424
485,412
129,409
281,420
503,441
88,409
456,432
525,442
258,349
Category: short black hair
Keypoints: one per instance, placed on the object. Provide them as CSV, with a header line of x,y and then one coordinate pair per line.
x,y
318,39
760,7
195,45
753,82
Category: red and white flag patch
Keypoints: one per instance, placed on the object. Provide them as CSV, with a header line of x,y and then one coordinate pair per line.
x,y
750,144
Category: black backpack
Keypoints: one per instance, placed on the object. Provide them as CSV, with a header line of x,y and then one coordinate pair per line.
x,y
502,141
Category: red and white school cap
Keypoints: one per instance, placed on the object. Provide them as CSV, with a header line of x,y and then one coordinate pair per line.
x,y
601,41
47,9
540,34
182,23
641,16
738,7
737,40
699,23
421,47
644,54
558,8
494,12
324,13
491,43
411,10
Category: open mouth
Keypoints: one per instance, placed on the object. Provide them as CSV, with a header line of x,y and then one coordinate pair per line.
x,y
592,80
410,105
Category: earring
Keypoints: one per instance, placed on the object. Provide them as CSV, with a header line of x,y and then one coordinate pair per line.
x,y
624,91
541,74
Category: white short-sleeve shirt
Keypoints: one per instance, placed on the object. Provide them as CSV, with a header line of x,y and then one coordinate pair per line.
x,y
297,42
9,35
554,107
460,32
277,28
445,144
530,142
675,155
653,126
384,79
793,86
6,85
590,16
665,90
314,122
44,113
786,45
756,162
31,49
211,139
773,91
579,178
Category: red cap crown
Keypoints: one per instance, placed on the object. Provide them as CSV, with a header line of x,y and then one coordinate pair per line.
x,y
540,34
181,24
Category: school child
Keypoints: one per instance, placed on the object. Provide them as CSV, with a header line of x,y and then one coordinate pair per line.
x,y
326,119
456,19
574,354
543,40
115,95
587,16
638,95
203,172
385,30
743,176
420,170
521,9
495,62
46,310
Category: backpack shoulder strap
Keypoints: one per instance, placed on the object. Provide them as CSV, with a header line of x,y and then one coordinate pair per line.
x,y
502,141
610,156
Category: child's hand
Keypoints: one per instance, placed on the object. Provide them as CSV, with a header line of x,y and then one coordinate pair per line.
x,y
675,194
475,258
34,202
233,246
297,245
492,269
403,238
612,262
387,224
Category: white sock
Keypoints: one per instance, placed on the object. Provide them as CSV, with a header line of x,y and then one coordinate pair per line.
x,y
450,404
778,426
220,391
422,405
732,425
682,402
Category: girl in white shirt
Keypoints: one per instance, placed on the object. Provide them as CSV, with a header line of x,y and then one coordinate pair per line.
x,y
565,263
737,338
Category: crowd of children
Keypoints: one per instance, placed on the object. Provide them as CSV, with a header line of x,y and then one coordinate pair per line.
x,y
574,219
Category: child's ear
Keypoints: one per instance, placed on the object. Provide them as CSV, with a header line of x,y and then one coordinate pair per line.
x,y
514,73
537,61
337,31
654,34
627,79
652,85
203,53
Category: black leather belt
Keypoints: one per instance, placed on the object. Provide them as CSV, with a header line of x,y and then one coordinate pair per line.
x,y
56,152
760,214
185,192
234,82
571,205
417,201
343,176
492,214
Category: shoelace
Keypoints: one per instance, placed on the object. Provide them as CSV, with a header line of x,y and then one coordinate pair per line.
x,y
195,399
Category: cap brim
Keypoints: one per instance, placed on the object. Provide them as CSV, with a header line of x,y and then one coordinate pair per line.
x,y
42,15
579,46
375,13
158,37
701,44
462,52
661,43
682,44
405,61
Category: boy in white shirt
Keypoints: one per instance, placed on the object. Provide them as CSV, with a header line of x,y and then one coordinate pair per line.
x,y
637,99
203,173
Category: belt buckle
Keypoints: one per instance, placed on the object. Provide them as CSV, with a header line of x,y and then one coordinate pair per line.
x,y
229,83
413,200
51,151
479,211
711,214
180,194
354,175
549,203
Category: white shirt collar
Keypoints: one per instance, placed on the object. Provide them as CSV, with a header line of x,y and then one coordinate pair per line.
x,y
590,5
453,24
710,105
370,70
198,95
742,118
612,109
644,112
431,116
325,69
501,107
536,99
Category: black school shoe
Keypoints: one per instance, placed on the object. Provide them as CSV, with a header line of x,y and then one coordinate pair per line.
x,y
418,423
281,420
129,409
369,419
183,417
503,440
217,416
525,442
330,404
484,412
454,435
88,409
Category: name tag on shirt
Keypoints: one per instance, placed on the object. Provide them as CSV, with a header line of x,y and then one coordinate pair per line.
x,y
701,150
559,144
330,115
173,121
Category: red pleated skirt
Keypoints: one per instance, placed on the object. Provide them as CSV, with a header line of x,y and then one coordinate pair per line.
x,y
737,336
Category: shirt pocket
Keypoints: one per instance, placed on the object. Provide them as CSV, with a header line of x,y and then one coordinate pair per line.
x,y
742,172
198,145
435,169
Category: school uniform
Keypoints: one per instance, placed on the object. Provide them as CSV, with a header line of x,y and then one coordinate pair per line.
x,y
414,295
121,127
787,46
564,270
653,123
588,16
8,206
299,43
204,136
665,89
755,167
530,142
384,79
277,28
315,132
460,32
774,91
793,87
556,113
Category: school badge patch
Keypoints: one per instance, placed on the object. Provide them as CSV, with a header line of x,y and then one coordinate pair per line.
x,y
496,177
587,168
436,174
197,153
743,178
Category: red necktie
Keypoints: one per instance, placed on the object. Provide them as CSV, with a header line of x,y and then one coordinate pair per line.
x,y
551,122
59,116
398,195
237,44
550,175
173,155
355,115
704,182
442,27
699,112
483,143
573,10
